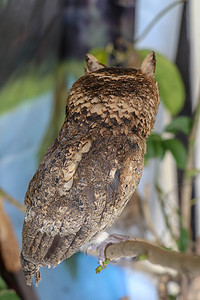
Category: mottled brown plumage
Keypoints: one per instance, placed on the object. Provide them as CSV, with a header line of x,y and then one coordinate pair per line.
x,y
92,169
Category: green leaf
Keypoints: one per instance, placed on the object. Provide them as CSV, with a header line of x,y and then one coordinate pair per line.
x,y
178,151
172,297
101,54
3,285
180,124
4,3
72,67
183,240
154,147
100,267
36,81
8,295
157,146
170,83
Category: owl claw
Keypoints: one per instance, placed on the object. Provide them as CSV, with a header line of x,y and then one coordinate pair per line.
x,y
91,247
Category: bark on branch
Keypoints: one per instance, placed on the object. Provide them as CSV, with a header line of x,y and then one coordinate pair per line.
x,y
188,264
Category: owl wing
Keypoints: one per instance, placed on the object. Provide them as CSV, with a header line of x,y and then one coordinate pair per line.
x,y
53,218
75,194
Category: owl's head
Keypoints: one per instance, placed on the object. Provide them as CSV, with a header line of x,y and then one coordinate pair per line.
x,y
121,99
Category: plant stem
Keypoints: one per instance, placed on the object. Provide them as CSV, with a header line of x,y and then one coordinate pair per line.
x,y
12,200
156,19
162,204
187,180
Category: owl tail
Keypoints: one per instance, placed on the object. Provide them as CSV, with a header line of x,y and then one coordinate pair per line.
x,y
30,270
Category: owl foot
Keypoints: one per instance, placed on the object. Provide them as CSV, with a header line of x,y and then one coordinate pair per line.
x,y
102,241
111,239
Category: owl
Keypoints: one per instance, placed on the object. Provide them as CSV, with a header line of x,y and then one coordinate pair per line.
x,y
92,169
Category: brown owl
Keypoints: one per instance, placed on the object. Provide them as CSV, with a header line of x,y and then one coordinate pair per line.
x,y
93,167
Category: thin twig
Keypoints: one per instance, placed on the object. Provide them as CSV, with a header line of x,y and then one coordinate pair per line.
x,y
12,200
162,204
147,216
156,19
186,193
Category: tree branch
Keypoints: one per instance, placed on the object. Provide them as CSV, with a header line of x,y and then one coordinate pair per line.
x,y
156,19
188,264
9,249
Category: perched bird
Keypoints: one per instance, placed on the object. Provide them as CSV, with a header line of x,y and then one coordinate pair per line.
x,y
93,167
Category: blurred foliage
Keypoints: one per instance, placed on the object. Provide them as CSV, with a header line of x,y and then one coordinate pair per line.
x,y
72,67
101,54
21,88
6,294
183,240
192,173
180,124
157,147
3,3
178,151
2,284
65,74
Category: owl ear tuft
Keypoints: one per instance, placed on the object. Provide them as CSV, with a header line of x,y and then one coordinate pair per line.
x,y
149,64
92,64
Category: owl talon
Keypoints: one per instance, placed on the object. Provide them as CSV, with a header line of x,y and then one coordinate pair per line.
x,y
100,262
91,247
